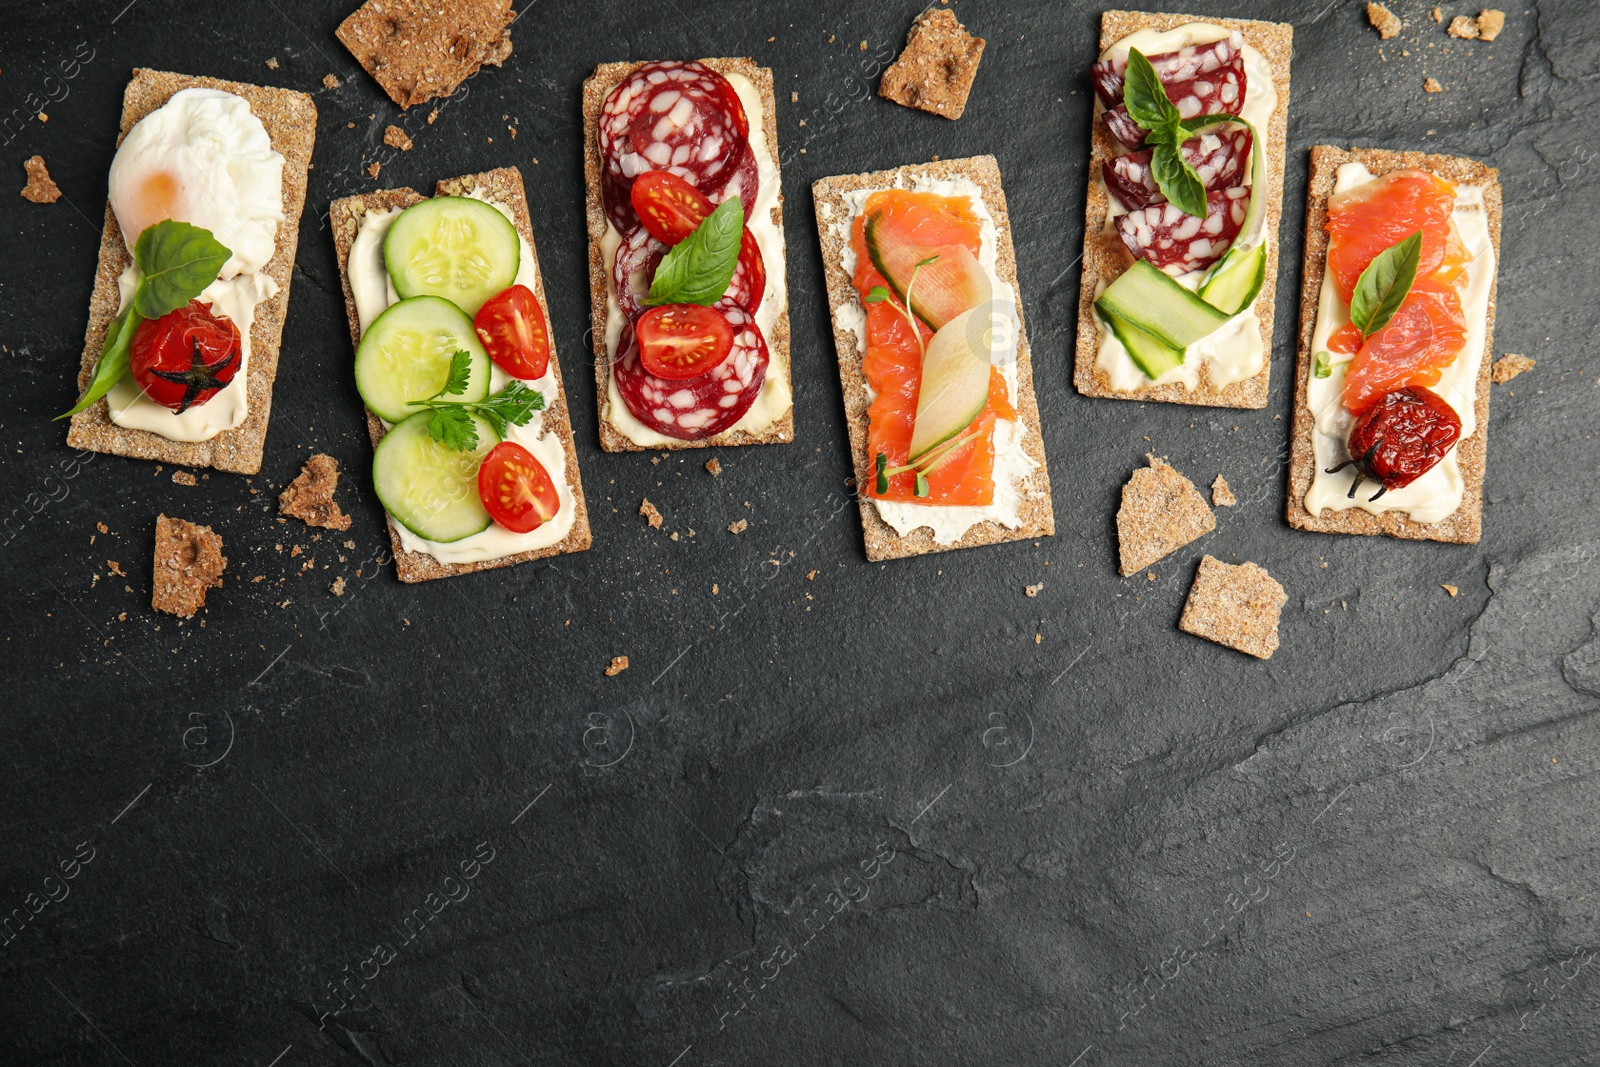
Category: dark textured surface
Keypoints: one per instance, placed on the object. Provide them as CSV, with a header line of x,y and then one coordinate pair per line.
x,y
1378,846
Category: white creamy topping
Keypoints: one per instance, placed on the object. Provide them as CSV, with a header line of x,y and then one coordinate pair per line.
x,y
1012,464
1235,351
1437,494
776,396
373,292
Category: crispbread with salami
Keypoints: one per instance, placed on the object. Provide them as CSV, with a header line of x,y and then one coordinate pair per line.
x,y
290,119
503,186
1104,256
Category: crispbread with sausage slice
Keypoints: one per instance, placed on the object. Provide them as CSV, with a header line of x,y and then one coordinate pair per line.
x,y
1104,257
1035,510
1465,524
290,119
503,186
596,88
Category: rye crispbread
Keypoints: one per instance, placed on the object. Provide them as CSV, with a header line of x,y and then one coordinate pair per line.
x,y
936,70
188,561
503,186
1465,525
1161,511
290,119
596,88
1234,606
882,541
417,50
1105,258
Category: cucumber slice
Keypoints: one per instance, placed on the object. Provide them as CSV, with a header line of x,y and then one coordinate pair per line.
x,y
952,284
405,356
430,489
1147,298
1149,354
955,381
1236,281
454,247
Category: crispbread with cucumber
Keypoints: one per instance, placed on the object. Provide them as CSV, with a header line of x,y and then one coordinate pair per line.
x,y
933,358
1180,252
194,417
473,452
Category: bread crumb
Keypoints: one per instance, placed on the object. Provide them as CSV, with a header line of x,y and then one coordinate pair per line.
x,y
1490,23
184,478
1234,606
374,167
1386,22
330,81
1438,16
713,466
648,510
309,497
811,576
738,527
1161,512
294,551
1221,495
1033,590
714,589
188,561
41,189
1038,639
395,137
102,527
794,98
272,62
418,50
1432,85
115,568
1452,590
1464,27
936,69
337,588
1509,366
434,115
618,665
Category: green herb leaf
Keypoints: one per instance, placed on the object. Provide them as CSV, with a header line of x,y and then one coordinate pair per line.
x,y
883,476
451,422
1323,367
177,262
113,361
1384,284
878,294
451,426
455,382
921,488
1146,98
1177,180
1200,122
698,269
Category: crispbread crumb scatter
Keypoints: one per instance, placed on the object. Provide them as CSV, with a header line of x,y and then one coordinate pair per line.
x,y
395,137
1490,23
1236,606
418,50
1221,495
618,665
738,527
330,81
1464,26
1437,15
648,510
184,478
1386,22
1448,588
337,588
1433,85
714,466
937,68
309,497
1509,366
189,561
41,189
1161,512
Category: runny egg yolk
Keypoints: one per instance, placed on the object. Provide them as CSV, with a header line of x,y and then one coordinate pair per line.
x,y
155,199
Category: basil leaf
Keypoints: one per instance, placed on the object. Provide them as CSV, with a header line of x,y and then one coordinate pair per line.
x,y
1177,180
113,361
1146,98
698,269
1200,122
177,262
1383,286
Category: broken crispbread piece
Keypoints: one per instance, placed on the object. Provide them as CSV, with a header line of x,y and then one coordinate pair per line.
x,y
1035,513
41,189
309,497
1386,22
1235,606
936,70
1509,366
189,561
417,51
290,119
502,186
1105,258
1222,494
1465,524
1161,512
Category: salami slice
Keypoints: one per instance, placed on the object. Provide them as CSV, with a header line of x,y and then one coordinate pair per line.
x,y
681,117
1219,158
1184,65
1120,124
696,408
1219,92
1177,243
639,256
745,184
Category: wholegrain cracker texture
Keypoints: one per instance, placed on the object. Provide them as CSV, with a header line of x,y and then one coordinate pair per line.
x,y
1465,526
1235,606
936,70
503,186
596,88
290,119
41,188
188,561
1161,512
418,50
1036,513
310,497
1509,366
1105,258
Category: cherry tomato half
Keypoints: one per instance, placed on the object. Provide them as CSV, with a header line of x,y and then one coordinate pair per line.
x,y
512,327
185,357
515,488
681,341
669,207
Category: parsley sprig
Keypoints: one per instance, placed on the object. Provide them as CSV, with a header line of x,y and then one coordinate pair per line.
x,y
1154,112
451,420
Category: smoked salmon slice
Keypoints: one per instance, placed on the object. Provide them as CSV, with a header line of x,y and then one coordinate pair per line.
x,y
1424,337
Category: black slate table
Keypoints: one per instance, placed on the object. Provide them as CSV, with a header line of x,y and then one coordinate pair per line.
x,y
834,812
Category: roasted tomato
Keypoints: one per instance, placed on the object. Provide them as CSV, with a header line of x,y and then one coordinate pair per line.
x,y
513,330
1401,438
679,341
185,357
669,207
516,490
